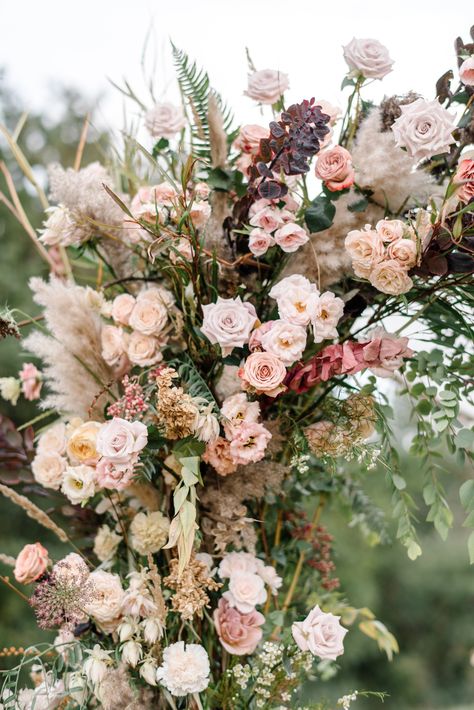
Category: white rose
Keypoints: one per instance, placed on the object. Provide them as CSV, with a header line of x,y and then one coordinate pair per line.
x,y
119,439
368,57
234,562
294,296
107,598
164,120
144,350
285,340
424,128
78,483
48,469
148,317
185,669
228,322
53,439
321,634
10,389
122,307
246,590
325,315
266,86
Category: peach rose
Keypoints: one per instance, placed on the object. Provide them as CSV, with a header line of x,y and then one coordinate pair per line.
x,y
464,177
266,86
200,213
321,634
238,633
202,191
264,373
390,277
248,140
148,316
290,237
48,469
31,382
31,563
144,350
334,168
365,246
466,71
390,229
122,308
260,241
403,251
164,120
81,446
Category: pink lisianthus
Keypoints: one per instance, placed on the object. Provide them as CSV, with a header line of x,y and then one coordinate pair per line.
x,y
115,476
122,308
464,179
260,242
31,563
249,443
217,455
264,373
334,168
238,633
237,410
321,634
31,381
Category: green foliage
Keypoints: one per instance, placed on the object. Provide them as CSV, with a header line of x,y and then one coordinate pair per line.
x,y
320,215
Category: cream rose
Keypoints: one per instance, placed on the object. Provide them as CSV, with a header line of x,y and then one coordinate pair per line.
x,y
390,229
122,308
144,350
390,277
48,469
148,316
286,341
265,373
53,440
228,322
365,246
404,251
31,563
368,57
334,168
266,86
164,120
321,634
118,439
246,590
424,128
290,237
81,446
114,344
108,595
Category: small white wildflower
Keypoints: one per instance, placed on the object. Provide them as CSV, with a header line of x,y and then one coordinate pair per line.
x,y
95,667
131,653
148,671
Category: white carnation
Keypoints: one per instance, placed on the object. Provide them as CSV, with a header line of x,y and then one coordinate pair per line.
x,y
185,669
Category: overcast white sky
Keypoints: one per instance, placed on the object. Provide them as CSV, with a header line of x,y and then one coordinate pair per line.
x,y
81,44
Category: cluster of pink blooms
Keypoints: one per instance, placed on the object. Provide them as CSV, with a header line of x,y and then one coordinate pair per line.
x,y
159,205
382,354
82,457
238,623
245,438
133,402
31,382
140,331
384,255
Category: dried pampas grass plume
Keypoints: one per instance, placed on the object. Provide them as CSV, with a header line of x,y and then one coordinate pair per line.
x,y
33,512
73,367
7,560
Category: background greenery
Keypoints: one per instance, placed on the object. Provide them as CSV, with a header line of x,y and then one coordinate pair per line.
x,y
427,604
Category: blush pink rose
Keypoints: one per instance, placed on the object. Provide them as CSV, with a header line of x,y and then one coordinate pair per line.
x,y
238,633
122,308
466,71
200,213
390,277
217,455
464,178
321,634
164,120
31,382
249,442
266,86
114,345
144,350
404,251
31,563
255,342
202,191
248,140
246,590
290,237
365,247
233,562
260,242
267,219
368,57
390,229
228,322
118,439
114,476
334,168
264,373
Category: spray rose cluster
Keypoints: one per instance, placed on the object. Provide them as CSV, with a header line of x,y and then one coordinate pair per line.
x,y
384,255
275,225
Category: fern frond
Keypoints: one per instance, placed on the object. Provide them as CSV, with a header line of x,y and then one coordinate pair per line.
x,y
196,89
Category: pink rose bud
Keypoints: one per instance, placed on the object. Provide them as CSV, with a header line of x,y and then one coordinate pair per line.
x,y
334,168
31,382
31,563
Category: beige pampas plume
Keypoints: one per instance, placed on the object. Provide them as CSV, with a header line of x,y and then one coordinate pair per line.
x,y
7,560
73,368
33,511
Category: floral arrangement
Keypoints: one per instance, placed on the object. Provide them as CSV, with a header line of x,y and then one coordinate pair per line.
x,y
223,306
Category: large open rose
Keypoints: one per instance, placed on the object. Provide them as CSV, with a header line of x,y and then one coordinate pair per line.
x,y
266,86
424,128
321,634
368,57
264,373
31,563
164,120
118,440
228,322
238,633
